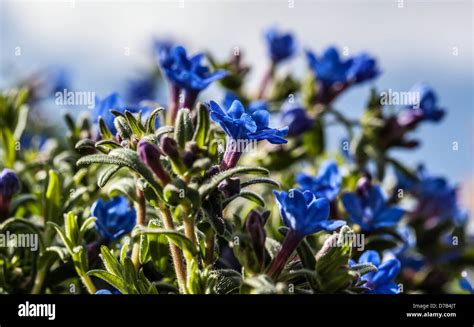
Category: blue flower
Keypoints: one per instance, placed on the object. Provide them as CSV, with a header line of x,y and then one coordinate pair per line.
x,y
281,46
380,281
326,184
370,210
436,197
115,218
296,118
104,291
187,73
254,106
330,69
142,88
9,184
114,101
428,102
404,252
465,284
425,110
240,125
305,214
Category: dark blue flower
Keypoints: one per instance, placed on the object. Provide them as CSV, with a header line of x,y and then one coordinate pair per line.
x,y
305,214
254,106
465,283
104,291
370,210
425,110
187,73
428,102
281,46
239,125
326,184
114,101
9,183
405,251
330,69
436,197
142,88
296,118
115,218
380,281
48,82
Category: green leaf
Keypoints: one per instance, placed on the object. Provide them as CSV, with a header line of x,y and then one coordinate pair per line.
x,y
106,145
183,130
72,229
134,124
9,145
150,121
123,127
106,174
53,197
21,122
104,130
262,180
314,140
249,195
179,239
85,145
63,236
85,226
130,275
163,130
207,188
110,261
201,133
124,158
363,268
111,279
306,255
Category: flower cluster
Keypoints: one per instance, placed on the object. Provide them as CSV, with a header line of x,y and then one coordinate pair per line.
x,y
186,197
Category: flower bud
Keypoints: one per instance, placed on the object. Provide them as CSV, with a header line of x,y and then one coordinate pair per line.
x,y
150,155
364,184
9,185
169,147
254,226
230,186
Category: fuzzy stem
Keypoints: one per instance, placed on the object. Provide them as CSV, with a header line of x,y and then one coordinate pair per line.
x,y
231,156
209,243
141,215
266,80
190,98
88,283
289,245
176,253
173,103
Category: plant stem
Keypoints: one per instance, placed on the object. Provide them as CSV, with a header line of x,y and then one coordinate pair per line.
x,y
289,245
88,283
173,104
176,253
266,80
209,242
39,280
141,217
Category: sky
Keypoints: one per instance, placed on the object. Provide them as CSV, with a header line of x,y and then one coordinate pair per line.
x,y
103,43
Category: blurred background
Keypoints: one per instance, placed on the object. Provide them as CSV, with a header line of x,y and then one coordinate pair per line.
x,y
104,43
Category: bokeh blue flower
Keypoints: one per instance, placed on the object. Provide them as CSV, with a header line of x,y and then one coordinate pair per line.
x,y
115,218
